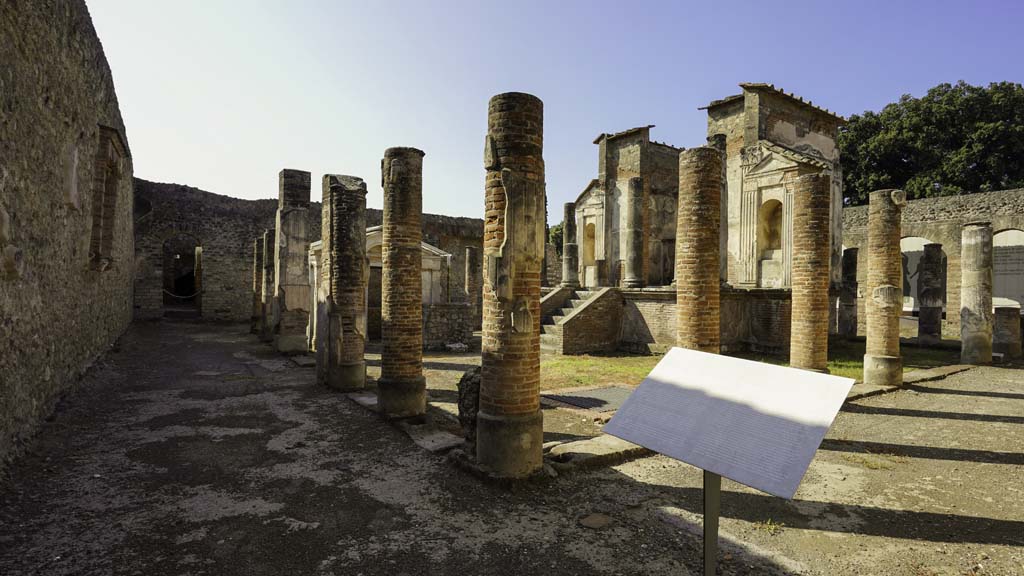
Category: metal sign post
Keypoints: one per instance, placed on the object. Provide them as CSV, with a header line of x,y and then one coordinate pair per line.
x,y
712,508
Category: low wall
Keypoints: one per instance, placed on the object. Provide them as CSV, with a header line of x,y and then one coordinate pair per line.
x,y
445,324
594,326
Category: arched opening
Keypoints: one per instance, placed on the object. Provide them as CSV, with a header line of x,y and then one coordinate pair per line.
x,y
182,276
769,244
1008,265
589,243
912,250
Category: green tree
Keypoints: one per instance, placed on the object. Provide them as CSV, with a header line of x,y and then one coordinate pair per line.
x,y
555,236
956,139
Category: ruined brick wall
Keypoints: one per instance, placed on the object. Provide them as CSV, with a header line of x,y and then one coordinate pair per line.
x,y
939,220
226,226
65,210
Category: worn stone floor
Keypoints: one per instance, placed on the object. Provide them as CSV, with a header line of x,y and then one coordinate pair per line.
x,y
193,449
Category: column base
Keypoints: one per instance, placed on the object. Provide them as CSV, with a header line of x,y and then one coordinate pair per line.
x,y
883,370
291,343
570,284
632,283
975,349
346,377
510,446
402,398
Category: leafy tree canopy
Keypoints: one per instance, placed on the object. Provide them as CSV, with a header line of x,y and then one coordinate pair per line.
x,y
957,139
555,236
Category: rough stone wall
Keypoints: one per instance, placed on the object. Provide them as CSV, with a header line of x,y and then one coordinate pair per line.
x,y
445,324
755,320
225,228
938,220
554,267
65,171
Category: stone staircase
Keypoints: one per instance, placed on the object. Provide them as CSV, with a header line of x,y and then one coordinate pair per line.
x,y
550,327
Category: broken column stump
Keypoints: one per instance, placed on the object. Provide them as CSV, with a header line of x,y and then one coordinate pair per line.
x,y
509,424
341,293
883,365
402,389
930,295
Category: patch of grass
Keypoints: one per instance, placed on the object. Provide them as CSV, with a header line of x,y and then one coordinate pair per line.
x,y
769,527
869,463
574,371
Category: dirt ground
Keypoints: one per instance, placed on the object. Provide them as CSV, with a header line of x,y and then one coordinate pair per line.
x,y
194,449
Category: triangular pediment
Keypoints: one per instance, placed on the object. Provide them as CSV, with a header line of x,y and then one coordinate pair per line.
x,y
766,158
771,162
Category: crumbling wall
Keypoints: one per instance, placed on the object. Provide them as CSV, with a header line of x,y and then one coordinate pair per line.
x,y
65,209
226,227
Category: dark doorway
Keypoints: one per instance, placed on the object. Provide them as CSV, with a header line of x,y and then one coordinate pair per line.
x,y
182,276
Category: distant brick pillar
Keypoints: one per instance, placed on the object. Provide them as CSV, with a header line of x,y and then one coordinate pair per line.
x,y
402,389
812,256
848,295
976,293
570,251
509,424
697,249
1006,332
882,362
291,266
267,319
633,273
930,295
341,291
257,285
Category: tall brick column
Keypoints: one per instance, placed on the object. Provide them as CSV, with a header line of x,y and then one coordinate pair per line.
x,y
882,362
509,424
268,321
570,250
472,282
402,389
257,285
341,291
976,293
848,295
1006,331
634,256
697,249
812,256
930,295
291,266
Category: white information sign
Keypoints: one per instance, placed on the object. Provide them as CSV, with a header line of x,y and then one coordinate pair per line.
x,y
755,423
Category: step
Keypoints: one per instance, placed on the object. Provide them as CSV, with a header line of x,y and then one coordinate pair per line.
x,y
566,311
551,329
557,319
584,294
550,343
576,303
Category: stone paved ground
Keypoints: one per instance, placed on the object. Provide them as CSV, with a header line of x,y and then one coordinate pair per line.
x,y
193,449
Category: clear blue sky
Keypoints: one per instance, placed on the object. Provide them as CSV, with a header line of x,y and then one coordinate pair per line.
x,y
222,94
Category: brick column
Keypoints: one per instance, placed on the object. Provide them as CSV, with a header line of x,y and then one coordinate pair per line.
x,y
976,293
848,295
291,267
633,275
509,424
341,293
930,296
402,389
257,285
268,320
882,362
697,249
1006,334
472,283
570,249
812,257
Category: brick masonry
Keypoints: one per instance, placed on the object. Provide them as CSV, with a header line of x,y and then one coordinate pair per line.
x,y
509,424
812,204
882,365
697,249
401,387
65,210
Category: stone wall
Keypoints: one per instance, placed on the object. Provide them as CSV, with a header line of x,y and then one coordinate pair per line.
x,y
751,320
938,220
65,210
445,324
225,227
